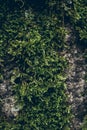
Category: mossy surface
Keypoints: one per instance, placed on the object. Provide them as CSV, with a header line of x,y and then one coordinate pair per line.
x,y
31,39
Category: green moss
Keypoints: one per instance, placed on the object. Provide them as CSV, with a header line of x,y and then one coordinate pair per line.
x,y
30,44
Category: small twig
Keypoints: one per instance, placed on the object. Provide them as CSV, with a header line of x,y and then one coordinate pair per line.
x,y
22,2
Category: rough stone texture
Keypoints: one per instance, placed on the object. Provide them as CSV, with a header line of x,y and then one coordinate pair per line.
x,y
7,97
75,80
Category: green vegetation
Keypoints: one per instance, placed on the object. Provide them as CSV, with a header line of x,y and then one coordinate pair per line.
x,y
84,126
31,38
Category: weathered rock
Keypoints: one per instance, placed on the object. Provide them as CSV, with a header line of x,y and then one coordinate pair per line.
x,y
9,107
8,101
75,82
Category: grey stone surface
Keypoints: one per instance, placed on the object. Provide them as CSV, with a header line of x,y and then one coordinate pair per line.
x,y
75,81
8,101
